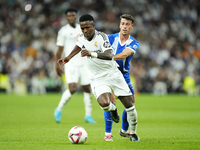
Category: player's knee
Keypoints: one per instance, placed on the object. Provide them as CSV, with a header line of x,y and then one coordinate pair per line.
x,y
86,88
72,88
104,100
105,106
104,103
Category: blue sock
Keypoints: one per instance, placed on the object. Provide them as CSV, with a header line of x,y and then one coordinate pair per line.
x,y
108,121
125,124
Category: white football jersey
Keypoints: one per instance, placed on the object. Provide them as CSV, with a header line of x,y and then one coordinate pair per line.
x,y
67,39
100,43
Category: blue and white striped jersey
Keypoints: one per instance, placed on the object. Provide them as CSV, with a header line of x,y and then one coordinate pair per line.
x,y
124,65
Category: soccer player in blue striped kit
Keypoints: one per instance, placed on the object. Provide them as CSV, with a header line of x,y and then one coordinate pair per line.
x,y
124,46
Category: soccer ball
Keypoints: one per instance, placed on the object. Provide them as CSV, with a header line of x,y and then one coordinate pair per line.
x,y
77,135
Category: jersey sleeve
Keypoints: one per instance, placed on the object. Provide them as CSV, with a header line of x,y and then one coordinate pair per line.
x,y
78,43
111,39
60,38
105,43
134,45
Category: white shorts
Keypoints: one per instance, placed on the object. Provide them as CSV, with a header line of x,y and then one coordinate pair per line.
x,y
77,74
113,82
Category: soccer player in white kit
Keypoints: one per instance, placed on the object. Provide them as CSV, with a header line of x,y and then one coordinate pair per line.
x,y
75,69
105,76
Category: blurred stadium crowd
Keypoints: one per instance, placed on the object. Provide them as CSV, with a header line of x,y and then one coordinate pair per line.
x,y
167,61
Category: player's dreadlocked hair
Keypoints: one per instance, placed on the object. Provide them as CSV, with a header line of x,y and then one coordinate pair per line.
x,y
127,17
70,10
86,17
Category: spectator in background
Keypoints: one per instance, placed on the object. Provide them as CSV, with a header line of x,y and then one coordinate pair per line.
x,y
174,24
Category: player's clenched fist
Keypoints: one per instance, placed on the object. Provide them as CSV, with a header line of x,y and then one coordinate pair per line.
x,y
61,62
85,52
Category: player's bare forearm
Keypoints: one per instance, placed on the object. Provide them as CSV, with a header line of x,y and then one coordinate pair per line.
x,y
124,54
75,51
59,52
59,71
65,60
107,55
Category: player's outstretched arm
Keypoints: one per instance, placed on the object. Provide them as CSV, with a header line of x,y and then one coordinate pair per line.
x,y
106,55
124,54
61,62
58,56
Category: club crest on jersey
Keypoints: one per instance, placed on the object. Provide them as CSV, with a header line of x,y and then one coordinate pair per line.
x,y
135,47
95,44
106,44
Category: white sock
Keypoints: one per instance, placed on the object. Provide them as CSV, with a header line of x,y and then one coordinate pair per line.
x,y
110,107
132,119
124,131
106,133
65,97
88,104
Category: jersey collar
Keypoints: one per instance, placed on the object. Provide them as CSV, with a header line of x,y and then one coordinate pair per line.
x,y
124,42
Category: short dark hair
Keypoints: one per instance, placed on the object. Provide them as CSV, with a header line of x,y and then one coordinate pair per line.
x,y
86,17
127,17
70,10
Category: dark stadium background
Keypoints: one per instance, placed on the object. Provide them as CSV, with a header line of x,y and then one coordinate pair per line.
x,y
168,32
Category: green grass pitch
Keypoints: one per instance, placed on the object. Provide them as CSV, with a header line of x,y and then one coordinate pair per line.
x,y
169,122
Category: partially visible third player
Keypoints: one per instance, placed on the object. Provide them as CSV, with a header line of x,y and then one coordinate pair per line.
x,y
75,69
